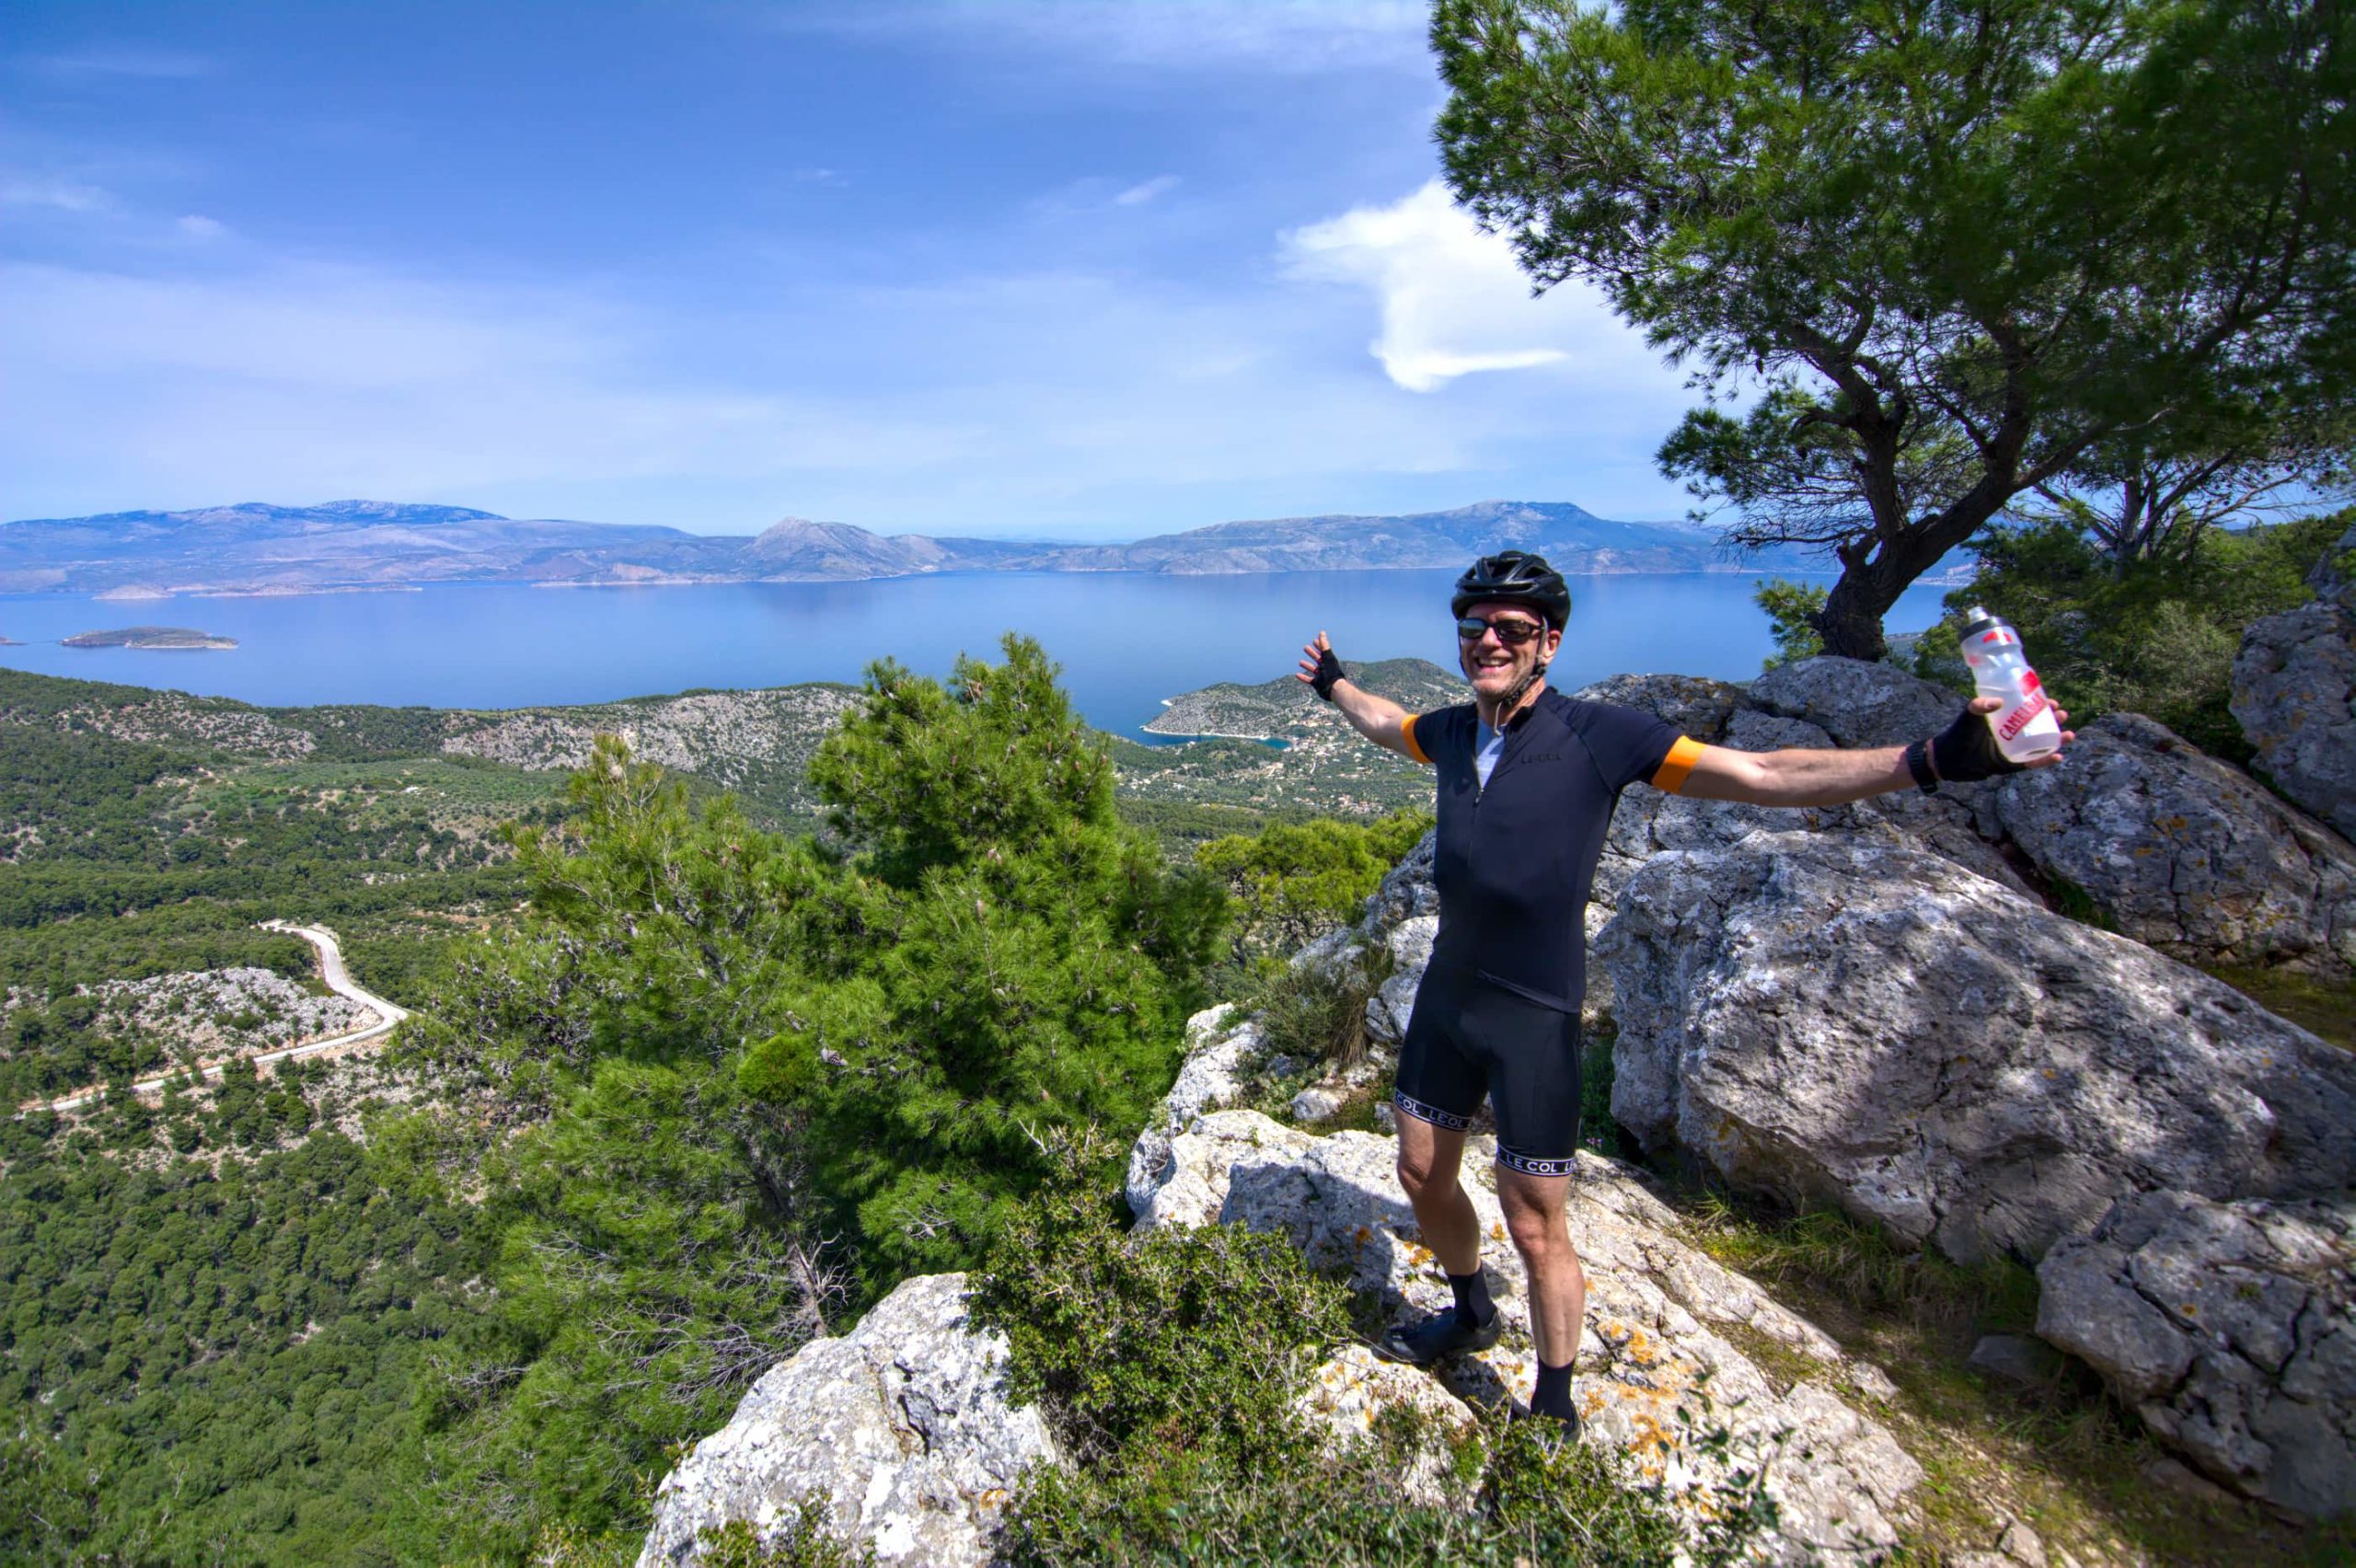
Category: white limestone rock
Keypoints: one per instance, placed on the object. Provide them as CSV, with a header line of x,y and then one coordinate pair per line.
x,y
1659,1366
901,1428
2185,854
1221,1045
2231,1328
2295,693
1835,1022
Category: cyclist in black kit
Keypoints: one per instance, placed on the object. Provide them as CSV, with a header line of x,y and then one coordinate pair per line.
x,y
1528,779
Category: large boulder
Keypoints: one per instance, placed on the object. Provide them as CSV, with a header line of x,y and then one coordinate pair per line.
x,y
900,1428
1844,1022
2232,1328
1662,1375
2185,854
1855,702
2295,693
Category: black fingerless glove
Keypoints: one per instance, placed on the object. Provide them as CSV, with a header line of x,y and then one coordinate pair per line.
x,y
1329,670
1966,751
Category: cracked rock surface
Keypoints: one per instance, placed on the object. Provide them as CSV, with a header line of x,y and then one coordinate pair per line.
x,y
2295,693
1835,1022
2184,853
2231,1327
1661,1369
901,1426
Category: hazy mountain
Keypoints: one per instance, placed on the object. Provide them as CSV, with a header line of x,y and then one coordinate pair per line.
x,y
343,545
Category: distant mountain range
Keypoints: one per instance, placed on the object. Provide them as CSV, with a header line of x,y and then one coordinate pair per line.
x,y
347,546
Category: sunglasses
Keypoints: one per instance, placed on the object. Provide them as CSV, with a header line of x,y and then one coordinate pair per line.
x,y
1513,631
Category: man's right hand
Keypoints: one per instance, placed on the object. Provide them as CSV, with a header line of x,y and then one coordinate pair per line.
x,y
1320,668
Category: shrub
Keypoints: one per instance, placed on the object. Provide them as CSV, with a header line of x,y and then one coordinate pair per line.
x,y
1193,1340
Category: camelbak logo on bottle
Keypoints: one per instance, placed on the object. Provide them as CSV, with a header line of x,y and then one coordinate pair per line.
x,y
2018,719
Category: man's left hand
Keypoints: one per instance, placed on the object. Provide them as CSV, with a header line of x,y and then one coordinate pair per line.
x,y
1966,751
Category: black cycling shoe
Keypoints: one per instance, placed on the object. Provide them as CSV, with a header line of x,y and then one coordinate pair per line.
x,y
1552,1434
1436,1337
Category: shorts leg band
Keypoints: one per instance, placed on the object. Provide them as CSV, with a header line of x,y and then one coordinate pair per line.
x,y
1530,1167
1446,1120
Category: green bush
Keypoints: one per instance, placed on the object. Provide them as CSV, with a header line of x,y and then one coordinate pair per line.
x,y
1293,881
1187,1340
1316,1012
2156,637
1307,1509
1791,608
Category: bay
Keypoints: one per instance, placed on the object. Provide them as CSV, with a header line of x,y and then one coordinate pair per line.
x,y
1125,640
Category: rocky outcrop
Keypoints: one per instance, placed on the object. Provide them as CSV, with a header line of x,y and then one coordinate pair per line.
x,y
901,1428
2295,693
1840,1022
1221,1046
2232,1328
1663,1375
2185,854
1355,1389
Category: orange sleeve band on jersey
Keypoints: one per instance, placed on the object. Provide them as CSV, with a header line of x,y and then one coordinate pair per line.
x,y
1407,734
1670,775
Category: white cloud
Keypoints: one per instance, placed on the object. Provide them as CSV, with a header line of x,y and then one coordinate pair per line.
x,y
196,225
66,195
1291,37
1139,194
1453,303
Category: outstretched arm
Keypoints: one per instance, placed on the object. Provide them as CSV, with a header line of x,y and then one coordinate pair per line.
x,y
1379,718
1801,777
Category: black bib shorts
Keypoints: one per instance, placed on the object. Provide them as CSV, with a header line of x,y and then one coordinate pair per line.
x,y
1468,1038
1514,861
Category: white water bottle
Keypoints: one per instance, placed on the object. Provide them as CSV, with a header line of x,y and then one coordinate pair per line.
x,y
2025,726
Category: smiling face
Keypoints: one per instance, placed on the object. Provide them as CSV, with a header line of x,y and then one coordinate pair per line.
x,y
1495,667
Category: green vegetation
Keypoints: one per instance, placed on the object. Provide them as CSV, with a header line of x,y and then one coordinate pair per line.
x,y
1968,251
1292,882
210,1358
2154,636
1169,1365
751,1076
1791,608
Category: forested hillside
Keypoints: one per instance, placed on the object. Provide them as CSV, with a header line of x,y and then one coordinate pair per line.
x,y
355,1312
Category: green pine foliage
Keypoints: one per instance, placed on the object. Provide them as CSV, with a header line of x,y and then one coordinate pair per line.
x,y
210,1359
1293,881
1791,608
2154,636
721,1079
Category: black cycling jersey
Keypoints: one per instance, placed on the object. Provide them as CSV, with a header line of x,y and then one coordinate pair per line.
x,y
1516,858
1498,1013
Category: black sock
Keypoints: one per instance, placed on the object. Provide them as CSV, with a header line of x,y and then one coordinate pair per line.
x,y
1474,1307
1553,1393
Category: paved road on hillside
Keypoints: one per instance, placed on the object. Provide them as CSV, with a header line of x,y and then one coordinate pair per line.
x,y
339,980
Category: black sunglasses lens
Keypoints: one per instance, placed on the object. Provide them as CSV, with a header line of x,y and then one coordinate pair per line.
x,y
1513,633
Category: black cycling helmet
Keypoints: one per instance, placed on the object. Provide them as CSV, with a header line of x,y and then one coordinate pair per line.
x,y
1514,577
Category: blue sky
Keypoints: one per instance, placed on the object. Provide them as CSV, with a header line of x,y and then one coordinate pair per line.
x,y
1080,269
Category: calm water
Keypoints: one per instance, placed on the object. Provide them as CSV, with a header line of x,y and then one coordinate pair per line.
x,y
1125,640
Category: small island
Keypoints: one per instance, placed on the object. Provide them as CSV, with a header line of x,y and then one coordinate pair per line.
x,y
149,636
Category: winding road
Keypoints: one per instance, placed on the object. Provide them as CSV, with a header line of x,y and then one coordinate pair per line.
x,y
339,980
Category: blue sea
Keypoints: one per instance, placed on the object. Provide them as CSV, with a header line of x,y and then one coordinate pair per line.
x,y
1127,641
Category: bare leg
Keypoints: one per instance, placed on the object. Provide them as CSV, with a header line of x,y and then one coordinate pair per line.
x,y
1428,1158
1535,1209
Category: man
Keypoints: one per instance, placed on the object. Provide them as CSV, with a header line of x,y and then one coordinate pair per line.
x,y
1528,779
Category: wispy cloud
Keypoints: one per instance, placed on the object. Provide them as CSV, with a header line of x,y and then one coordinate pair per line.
x,y
62,195
1280,35
1452,302
1139,194
197,226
